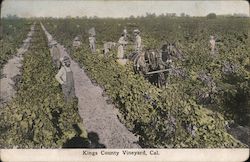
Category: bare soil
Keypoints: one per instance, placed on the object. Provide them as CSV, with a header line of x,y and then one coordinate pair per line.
x,y
11,70
98,116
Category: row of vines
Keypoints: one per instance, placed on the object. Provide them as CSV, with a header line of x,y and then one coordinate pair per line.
x,y
206,91
13,32
38,116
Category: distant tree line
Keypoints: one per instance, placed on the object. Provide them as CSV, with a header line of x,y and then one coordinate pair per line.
x,y
150,15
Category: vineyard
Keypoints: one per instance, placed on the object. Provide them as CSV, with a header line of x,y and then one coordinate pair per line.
x,y
13,33
205,93
38,116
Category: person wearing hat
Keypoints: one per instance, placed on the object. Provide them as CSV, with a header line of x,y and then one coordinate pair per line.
x,y
125,32
212,44
92,42
65,78
138,41
121,44
76,42
55,54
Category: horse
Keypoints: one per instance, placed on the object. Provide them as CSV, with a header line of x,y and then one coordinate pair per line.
x,y
171,52
149,60
107,47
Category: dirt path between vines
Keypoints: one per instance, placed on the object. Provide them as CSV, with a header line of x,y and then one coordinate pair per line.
x,y
12,69
97,115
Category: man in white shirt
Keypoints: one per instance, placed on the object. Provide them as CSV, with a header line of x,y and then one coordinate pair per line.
x,y
121,44
92,42
138,41
125,32
212,44
65,78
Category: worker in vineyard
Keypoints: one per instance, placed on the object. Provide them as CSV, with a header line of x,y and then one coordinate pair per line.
x,y
212,44
138,41
55,54
107,46
121,44
76,42
92,42
125,32
65,78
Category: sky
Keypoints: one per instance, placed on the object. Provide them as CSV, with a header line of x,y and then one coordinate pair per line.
x,y
116,9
